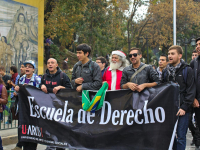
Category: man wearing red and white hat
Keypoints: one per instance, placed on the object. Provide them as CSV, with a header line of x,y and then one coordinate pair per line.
x,y
113,73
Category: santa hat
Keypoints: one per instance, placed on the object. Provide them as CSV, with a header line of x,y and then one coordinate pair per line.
x,y
120,53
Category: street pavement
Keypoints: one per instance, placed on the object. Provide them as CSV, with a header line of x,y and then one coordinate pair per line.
x,y
189,140
43,147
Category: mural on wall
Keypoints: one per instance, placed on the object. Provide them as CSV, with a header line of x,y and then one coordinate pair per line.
x,y
18,33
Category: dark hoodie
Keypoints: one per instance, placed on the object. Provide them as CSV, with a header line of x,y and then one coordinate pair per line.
x,y
53,80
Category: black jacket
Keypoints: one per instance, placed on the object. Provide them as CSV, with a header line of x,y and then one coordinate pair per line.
x,y
195,66
53,80
187,90
5,79
147,75
90,72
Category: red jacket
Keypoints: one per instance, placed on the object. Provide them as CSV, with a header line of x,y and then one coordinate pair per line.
x,y
113,78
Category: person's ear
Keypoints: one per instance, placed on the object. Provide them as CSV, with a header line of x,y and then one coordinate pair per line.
x,y
87,54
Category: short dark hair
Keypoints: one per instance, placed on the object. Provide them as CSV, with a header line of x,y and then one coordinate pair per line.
x,y
14,69
2,68
197,39
135,48
177,48
163,55
102,59
85,48
65,58
194,51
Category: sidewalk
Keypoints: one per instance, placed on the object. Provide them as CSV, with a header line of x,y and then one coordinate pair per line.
x,y
9,136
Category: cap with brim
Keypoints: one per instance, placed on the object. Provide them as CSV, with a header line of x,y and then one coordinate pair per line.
x,y
30,62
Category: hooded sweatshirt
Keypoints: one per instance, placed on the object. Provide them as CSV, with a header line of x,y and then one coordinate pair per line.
x,y
53,80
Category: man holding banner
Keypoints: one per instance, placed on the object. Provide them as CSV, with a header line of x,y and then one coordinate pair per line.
x,y
86,74
138,76
54,79
31,79
179,72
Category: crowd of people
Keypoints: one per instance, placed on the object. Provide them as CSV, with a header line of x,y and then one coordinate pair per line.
x,y
119,74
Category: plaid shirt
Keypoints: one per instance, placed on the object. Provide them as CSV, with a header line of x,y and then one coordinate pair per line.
x,y
35,80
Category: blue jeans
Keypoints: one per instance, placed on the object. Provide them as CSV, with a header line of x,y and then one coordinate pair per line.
x,y
1,147
1,116
182,127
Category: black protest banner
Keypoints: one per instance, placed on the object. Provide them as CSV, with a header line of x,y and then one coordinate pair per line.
x,y
58,120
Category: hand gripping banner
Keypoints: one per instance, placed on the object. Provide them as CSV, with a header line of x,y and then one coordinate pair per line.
x,y
127,120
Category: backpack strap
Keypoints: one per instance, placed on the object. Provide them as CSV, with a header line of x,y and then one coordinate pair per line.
x,y
44,77
61,77
91,66
184,71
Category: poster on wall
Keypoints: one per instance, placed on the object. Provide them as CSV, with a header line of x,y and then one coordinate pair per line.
x,y
18,33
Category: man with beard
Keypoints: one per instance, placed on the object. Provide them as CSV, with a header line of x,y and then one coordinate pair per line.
x,y
179,72
86,74
138,75
29,78
195,65
163,61
113,73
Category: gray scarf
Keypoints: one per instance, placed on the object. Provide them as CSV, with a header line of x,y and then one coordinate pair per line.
x,y
172,70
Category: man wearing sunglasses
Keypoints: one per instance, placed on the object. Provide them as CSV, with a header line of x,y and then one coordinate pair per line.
x,y
138,75
29,78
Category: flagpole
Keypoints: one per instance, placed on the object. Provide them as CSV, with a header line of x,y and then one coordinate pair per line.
x,y
174,22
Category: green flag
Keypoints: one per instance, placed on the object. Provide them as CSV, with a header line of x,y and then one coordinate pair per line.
x,y
97,101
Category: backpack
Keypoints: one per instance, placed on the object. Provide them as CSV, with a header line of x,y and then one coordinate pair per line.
x,y
184,72
61,77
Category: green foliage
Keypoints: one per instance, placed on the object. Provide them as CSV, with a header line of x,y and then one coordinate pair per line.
x,y
99,23
56,53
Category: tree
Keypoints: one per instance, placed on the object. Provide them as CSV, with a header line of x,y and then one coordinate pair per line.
x,y
159,22
62,19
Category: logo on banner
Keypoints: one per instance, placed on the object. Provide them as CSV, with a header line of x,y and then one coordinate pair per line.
x,y
32,130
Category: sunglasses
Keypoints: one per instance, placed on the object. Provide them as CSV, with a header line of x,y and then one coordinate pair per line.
x,y
130,55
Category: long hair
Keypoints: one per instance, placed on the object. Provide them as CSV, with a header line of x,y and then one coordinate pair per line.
x,y
125,62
